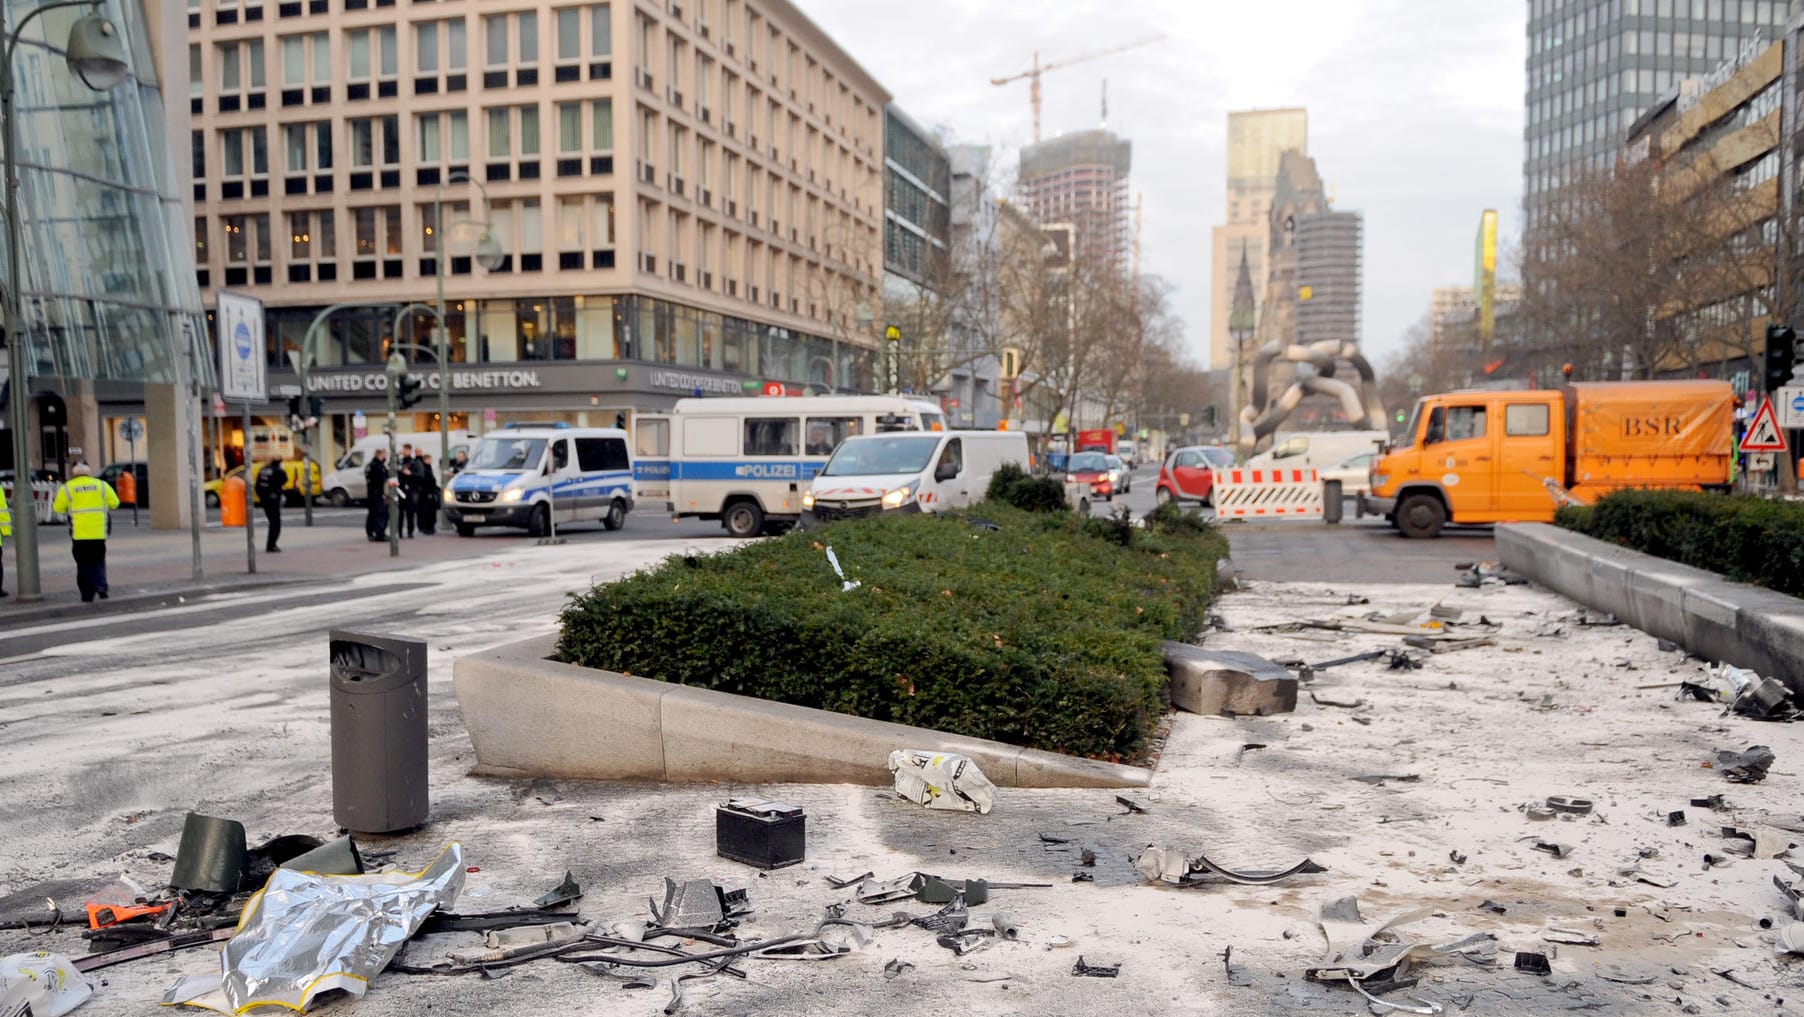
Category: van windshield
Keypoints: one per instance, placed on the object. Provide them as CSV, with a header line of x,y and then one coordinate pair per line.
x,y
508,454
882,454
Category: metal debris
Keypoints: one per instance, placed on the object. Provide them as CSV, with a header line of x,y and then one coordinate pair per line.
x,y
1748,766
1084,970
1570,805
563,893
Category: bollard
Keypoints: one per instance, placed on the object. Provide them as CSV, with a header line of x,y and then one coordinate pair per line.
x,y
379,778
1332,505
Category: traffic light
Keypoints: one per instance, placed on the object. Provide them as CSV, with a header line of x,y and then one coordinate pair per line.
x,y
316,407
407,390
1781,354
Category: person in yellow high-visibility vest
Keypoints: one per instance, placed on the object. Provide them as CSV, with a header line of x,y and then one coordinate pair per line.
x,y
86,500
6,530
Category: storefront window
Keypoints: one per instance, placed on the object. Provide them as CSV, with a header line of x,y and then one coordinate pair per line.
x,y
710,333
686,338
563,328
500,335
595,337
654,333
535,332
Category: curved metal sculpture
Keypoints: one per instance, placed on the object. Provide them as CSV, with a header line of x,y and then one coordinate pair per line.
x,y
1316,364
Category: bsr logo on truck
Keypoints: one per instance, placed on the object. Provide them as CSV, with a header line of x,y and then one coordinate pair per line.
x,y
1651,427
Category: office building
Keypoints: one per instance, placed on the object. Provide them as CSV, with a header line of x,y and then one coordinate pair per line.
x,y
1082,179
1594,66
1454,304
1329,247
1256,140
688,198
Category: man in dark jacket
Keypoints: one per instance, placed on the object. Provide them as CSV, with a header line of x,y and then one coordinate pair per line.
x,y
426,504
375,479
407,473
270,481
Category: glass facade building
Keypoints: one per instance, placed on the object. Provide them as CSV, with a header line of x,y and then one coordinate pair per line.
x,y
1594,66
108,280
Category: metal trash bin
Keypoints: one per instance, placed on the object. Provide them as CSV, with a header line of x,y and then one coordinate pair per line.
x,y
1332,505
378,732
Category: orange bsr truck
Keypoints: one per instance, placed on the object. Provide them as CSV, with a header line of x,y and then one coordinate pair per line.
x,y
1502,456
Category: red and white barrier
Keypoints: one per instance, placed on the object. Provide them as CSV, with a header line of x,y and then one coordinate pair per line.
x,y
1267,494
43,493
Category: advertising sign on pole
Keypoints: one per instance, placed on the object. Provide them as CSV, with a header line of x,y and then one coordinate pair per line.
x,y
242,372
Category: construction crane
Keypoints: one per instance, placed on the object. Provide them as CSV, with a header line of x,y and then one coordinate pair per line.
x,y
1033,73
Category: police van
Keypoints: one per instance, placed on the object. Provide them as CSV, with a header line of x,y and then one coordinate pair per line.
x,y
746,460
536,476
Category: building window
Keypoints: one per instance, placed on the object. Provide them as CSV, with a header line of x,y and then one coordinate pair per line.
x,y
308,146
376,241
601,120
200,240
247,240
197,80
312,246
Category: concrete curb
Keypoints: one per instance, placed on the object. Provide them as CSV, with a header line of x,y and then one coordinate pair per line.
x,y
1745,625
530,715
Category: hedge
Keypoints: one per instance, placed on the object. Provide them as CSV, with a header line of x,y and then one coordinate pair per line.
x,y
1746,538
1026,628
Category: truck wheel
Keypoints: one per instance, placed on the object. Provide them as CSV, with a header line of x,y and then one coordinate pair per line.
x,y
340,498
466,530
1164,496
743,519
539,523
616,517
1421,516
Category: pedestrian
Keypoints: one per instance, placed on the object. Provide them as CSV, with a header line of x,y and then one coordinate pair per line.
x,y
6,530
407,471
270,481
375,478
86,500
427,509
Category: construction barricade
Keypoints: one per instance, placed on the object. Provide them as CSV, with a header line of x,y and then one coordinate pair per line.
x,y
1267,494
43,495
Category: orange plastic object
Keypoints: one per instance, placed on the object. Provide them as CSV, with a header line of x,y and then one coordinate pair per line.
x,y
231,502
128,487
102,915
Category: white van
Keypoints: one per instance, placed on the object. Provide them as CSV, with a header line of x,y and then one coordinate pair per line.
x,y
745,460
910,473
344,482
1316,450
538,477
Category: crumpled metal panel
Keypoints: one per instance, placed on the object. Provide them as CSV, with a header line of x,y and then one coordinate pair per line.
x,y
306,933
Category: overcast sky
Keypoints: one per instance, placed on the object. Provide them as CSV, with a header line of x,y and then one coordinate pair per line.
x,y
1415,113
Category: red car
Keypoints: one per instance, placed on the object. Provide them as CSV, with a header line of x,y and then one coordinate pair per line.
x,y
1189,473
1091,468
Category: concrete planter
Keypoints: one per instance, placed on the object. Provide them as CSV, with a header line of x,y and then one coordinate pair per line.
x,y
530,715
1745,625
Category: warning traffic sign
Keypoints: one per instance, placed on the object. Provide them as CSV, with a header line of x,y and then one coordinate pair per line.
x,y
1763,435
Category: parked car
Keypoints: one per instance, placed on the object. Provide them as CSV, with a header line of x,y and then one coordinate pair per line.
x,y
1091,468
1354,474
291,486
140,476
1188,473
1121,475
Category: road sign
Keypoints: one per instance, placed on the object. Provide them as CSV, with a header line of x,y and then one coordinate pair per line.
x,y
241,351
1760,462
1790,403
288,390
131,429
1763,435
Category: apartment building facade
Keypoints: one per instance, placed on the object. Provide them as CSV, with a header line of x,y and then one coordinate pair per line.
x,y
636,201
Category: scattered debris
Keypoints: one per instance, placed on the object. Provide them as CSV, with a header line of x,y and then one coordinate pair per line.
x,y
941,780
1570,936
1354,659
1375,960
1767,699
1761,842
846,585
1171,865
1665,645
1211,682
1456,856
1493,907
761,833
1791,939
1130,805
1713,802
1539,813
1570,805
1380,779
1748,766
1237,975
41,984
564,893
1402,660
1058,942
1533,963
1083,877
212,855
1344,704
1555,849
1095,970
306,934
895,967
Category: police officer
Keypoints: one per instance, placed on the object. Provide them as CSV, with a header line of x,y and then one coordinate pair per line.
x,y
270,481
86,500
6,530
375,478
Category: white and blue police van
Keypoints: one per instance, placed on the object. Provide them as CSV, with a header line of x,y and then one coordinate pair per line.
x,y
535,476
746,460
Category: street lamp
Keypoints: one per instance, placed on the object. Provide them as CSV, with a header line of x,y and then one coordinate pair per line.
x,y
490,256
96,55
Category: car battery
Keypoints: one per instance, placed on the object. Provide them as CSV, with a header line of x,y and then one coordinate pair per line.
x,y
762,833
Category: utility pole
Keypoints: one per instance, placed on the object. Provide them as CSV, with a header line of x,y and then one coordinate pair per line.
x,y
397,369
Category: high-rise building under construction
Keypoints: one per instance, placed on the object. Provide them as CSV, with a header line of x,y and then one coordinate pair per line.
x,y
1082,179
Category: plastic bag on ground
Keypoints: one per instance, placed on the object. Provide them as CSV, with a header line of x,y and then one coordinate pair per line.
x,y
941,780
45,982
306,933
